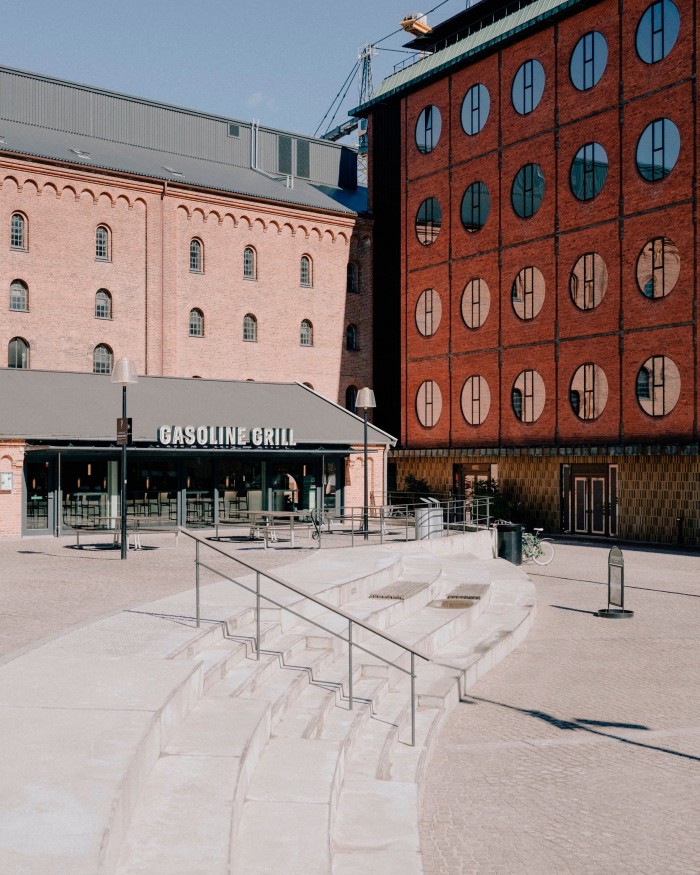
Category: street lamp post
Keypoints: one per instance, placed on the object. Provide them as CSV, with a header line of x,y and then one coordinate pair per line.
x,y
124,372
365,400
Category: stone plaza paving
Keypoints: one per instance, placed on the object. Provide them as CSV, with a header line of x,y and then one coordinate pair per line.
x,y
579,753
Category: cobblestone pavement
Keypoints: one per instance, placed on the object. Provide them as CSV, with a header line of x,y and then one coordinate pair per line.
x,y
580,752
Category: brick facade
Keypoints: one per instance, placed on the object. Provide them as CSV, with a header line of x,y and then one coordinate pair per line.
x,y
153,290
562,341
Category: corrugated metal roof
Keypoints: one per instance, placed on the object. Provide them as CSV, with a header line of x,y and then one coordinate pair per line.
x,y
478,41
58,406
37,142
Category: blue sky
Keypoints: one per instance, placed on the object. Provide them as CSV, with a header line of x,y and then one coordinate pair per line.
x,y
272,60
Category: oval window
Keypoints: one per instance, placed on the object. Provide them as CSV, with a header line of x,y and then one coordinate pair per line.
x,y
528,396
527,293
428,403
658,268
476,205
476,301
657,149
589,170
589,281
428,221
528,190
588,393
428,129
658,385
475,109
428,312
528,87
475,400
588,60
657,31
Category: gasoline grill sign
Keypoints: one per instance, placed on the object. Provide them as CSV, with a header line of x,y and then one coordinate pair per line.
x,y
224,436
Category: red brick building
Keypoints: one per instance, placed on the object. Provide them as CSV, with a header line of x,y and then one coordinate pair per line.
x,y
540,163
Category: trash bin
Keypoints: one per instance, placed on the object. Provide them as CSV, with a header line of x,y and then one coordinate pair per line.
x,y
509,542
428,523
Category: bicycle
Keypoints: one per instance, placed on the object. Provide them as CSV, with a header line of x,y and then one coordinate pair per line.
x,y
536,549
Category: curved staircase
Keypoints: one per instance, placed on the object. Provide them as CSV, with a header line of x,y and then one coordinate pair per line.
x,y
183,750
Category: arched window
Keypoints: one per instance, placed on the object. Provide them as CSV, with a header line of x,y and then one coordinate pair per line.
x,y
18,353
196,256
102,359
353,283
103,249
19,295
351,338
350,398
306,272
306,333
103,305
250,264
250,327
18,231
196,323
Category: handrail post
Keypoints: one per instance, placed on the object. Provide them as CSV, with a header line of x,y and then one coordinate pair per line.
x,y
381,525
196,580
350,664
257,615
413,699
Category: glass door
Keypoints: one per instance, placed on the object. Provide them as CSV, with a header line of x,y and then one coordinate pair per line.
x,y
39,496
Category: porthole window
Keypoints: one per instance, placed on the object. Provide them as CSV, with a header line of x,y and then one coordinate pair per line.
x,y
657,149
528,190
428,221
428,312
428,403
589,170
588,393
475,109
475,400
528,87
589,281
658,267
527,293
658,385
476,301
428,129
19,295
588,60
528,396
657,31
476,204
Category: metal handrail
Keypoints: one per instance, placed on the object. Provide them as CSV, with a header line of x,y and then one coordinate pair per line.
x,y
457,515
352,621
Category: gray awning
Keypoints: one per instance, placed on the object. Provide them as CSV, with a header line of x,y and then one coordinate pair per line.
x,y
53,406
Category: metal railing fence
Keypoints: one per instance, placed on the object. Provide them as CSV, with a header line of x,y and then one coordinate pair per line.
x,y
352,621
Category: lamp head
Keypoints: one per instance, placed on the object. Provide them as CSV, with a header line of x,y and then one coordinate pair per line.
x,y
365,399
124,372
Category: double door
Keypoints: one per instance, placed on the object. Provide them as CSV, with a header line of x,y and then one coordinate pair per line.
x,y
589,499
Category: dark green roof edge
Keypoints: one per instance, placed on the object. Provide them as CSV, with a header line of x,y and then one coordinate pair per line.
x,y
362,109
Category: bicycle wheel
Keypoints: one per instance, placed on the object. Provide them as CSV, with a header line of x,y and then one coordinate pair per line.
x,y
546,552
